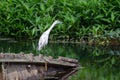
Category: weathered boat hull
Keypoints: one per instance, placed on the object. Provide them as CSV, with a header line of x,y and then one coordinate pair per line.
x,y
28,67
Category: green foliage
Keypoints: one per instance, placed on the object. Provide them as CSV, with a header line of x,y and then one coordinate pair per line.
x,y
28,18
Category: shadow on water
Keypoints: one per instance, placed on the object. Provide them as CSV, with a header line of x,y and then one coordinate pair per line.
x,y
99,62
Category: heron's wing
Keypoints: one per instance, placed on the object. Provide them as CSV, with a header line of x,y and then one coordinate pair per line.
x,y
42,41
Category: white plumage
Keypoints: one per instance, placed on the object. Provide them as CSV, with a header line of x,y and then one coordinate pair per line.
x,y
44,37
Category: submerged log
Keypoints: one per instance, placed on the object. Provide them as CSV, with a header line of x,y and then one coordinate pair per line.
x,y
29,67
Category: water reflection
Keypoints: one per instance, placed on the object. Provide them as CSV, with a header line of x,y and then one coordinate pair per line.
x,y
99,62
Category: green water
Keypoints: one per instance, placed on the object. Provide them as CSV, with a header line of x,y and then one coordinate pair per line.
x,y
98,62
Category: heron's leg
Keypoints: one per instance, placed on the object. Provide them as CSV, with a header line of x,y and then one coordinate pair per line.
x,y
45,51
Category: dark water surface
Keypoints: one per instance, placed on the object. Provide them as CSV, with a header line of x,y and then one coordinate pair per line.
x,y
99,62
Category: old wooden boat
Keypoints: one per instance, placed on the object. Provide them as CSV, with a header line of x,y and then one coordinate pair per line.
x,y
29,67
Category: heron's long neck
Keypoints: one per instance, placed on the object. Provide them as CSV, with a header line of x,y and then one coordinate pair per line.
x,y
53,25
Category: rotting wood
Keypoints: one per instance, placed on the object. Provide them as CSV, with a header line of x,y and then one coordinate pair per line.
x,y
29,67
66,77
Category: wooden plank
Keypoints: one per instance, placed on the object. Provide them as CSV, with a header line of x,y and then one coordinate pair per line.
x,y
30,58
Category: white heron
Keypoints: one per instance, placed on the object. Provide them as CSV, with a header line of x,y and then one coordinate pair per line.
x,y
44,37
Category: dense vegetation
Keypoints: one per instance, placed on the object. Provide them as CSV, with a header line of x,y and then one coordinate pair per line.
x,y
81,18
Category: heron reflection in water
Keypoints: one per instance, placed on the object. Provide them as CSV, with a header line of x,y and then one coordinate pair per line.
x,y
44,37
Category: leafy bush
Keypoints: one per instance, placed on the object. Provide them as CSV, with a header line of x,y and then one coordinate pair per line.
x,y
28,18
